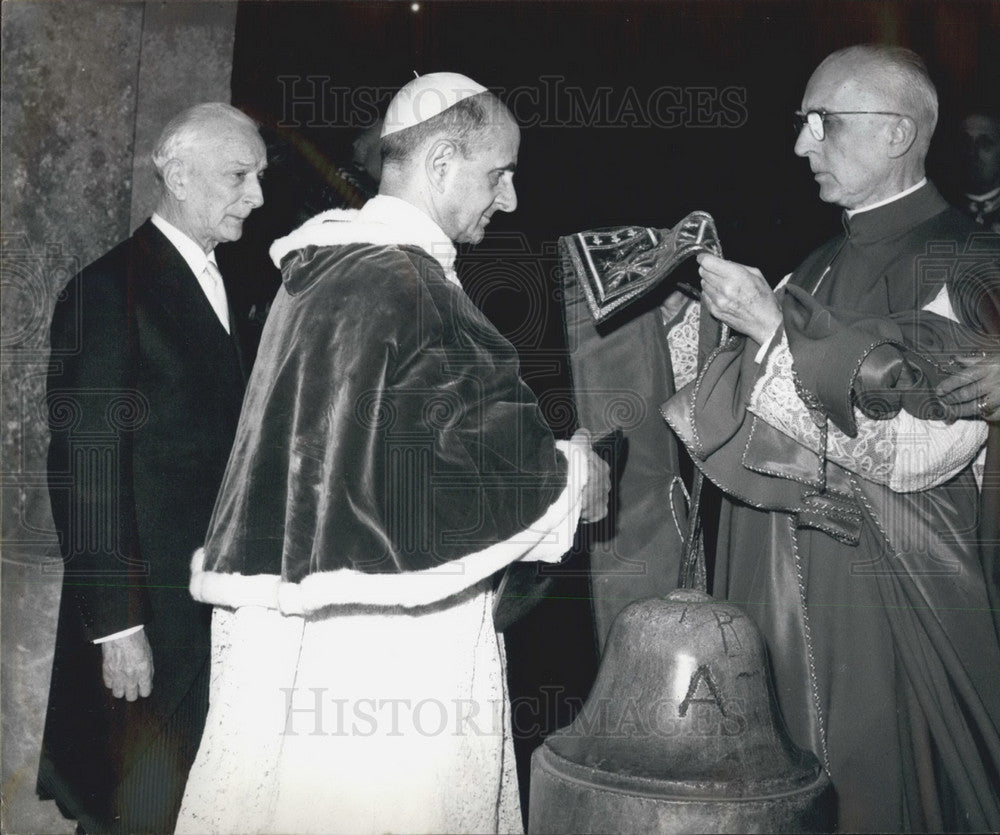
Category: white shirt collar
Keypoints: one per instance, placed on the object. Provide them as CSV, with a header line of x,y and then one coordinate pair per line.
x,y
193,254
195,257
888,200
984,197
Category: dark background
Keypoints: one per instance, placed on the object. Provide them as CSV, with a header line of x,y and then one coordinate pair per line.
x,y
314,74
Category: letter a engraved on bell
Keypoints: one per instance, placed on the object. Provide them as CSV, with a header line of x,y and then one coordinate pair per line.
x,y
701,675
703,748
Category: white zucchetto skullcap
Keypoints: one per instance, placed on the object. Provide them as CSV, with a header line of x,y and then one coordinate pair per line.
x,y
427,96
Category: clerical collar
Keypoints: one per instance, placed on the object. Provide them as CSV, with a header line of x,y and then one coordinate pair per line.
x,y
896,216
888,200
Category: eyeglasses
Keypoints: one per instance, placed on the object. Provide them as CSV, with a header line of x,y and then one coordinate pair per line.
x,y
816,119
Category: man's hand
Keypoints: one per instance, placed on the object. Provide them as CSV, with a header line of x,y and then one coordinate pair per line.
x,y
128,666
739,297
973,390
595,494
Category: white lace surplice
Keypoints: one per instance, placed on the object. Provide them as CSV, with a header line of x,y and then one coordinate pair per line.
x,y
373,721
905,453
327,714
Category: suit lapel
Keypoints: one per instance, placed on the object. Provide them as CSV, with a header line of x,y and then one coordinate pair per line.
x,y
234,336
172,287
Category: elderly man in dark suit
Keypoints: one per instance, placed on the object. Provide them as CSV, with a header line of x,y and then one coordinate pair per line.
x,y
144,394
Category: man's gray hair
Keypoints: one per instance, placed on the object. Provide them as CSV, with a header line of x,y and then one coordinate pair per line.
x,y
188,127
902,74
463,123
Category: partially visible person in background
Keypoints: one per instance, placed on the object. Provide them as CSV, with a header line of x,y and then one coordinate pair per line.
x,y
979,162
366,160
316,184
973,391
302,181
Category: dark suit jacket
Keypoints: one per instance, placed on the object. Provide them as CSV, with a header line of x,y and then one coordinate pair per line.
x,y
144,394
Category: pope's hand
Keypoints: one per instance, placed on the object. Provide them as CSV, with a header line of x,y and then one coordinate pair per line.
x,y
595,494
739,297
128,666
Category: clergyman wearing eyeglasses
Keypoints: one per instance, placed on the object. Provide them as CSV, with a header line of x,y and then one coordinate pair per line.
x,y
849,529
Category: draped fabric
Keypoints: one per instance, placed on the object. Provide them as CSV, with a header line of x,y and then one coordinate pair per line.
x,y
975,293
371,721
873,604
385,428
388,461
635,553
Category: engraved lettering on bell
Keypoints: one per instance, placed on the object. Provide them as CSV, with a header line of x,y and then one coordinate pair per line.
x,y
716,758
701,676
730,637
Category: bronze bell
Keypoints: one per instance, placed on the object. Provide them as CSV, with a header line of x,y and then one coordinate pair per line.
x,y
680,733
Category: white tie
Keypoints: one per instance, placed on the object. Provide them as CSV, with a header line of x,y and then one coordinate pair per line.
x,y
216,292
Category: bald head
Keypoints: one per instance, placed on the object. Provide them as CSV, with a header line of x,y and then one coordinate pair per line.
x,y
877,109
897,80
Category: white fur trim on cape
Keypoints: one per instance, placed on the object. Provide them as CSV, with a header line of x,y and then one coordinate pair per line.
x,y
547,540
383,221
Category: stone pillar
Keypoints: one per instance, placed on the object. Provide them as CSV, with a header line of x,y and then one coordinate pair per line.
x,y
187,57
68,101
86,89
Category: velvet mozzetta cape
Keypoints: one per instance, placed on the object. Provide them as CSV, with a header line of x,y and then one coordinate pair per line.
x,y
388,460
873,604
385,432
